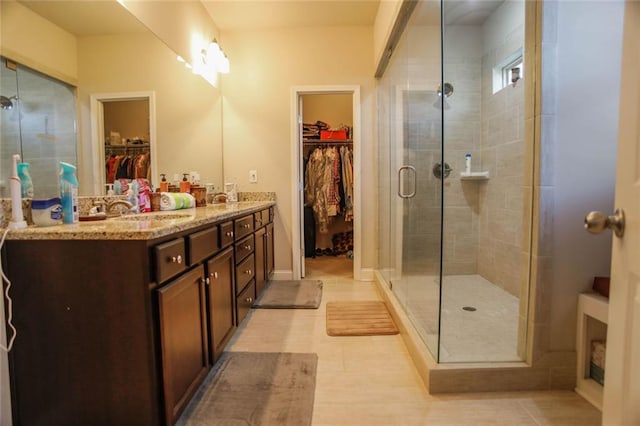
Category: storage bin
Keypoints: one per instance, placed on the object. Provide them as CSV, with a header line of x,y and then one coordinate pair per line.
x,y
333,134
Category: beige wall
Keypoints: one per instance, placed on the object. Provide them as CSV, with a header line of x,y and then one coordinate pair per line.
x,y
188,109
37,43
385,18
258,116
129,118
334,109
185,26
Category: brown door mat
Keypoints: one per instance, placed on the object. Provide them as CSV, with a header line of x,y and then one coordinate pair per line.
x,y
366,318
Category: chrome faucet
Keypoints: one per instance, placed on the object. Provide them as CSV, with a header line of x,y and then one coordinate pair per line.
x,y
118,204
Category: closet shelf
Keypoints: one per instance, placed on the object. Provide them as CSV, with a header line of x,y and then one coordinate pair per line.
x,y
136,145
326,141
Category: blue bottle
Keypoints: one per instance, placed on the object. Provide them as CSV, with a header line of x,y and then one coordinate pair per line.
x,y
69,193
26,185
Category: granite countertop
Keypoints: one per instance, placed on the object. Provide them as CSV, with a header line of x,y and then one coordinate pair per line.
x,y
144,226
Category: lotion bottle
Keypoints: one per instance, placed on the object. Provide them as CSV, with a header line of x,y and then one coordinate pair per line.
x,y
164,185
467,164
185,186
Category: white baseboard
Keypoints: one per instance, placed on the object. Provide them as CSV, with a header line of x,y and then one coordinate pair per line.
x,y
284,275
366,274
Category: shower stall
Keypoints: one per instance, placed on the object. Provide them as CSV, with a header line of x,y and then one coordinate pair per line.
x,y
455,231
37,121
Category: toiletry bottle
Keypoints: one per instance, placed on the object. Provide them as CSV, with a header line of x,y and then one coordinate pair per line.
x,y
17,216
164,185
467,164
185,186
110,190
132,196
69,193
26,184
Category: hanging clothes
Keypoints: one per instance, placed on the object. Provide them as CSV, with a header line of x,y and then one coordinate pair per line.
x,y
328,185
128,167
346,156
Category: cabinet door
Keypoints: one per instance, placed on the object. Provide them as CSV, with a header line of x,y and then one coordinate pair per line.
x,y
183,336
261,270
270,252
221,298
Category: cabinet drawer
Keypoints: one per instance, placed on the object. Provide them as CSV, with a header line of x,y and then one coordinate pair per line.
x,y
261,218
244,248
245,271
244,301
226,234
202,244
170,259
243,226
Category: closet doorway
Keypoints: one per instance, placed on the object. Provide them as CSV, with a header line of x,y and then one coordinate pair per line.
x,y
123,125
327,205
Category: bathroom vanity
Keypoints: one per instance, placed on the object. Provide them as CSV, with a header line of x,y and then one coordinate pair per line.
x,y
119,321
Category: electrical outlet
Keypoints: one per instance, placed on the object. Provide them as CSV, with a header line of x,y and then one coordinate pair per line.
x,y
253,176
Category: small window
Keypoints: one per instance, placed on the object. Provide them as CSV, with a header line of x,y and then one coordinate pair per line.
x,y
508,71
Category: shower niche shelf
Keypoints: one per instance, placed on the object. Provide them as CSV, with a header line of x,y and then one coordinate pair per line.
x,y
474,176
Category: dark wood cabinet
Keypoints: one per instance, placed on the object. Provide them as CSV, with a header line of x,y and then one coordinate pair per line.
x,y
221,299
183,339
270,251
261,264
122,332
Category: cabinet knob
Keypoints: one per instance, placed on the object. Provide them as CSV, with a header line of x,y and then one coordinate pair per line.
x,y
229,234
206,281
214,275
249,299
247,247
248,272
246,226
176,259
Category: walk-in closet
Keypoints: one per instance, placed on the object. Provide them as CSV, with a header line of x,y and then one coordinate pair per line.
x,y
127,140
327,164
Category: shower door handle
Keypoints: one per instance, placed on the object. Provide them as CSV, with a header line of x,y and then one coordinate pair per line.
x,y
412,193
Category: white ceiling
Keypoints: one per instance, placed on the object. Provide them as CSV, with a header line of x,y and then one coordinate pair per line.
x,y
82,17
232,15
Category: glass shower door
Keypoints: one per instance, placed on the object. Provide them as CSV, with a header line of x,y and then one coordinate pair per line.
x,y
410,149
40,125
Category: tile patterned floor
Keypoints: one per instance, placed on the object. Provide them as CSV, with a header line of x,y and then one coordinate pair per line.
x,y
490,333
371,380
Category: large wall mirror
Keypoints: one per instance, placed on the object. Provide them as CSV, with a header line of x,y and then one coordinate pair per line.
x,y
115,54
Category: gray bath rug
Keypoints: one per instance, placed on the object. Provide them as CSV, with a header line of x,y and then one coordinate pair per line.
x,y
297,294
255,388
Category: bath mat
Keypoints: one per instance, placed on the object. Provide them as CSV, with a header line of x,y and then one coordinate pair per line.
x,y
297,294
359,319
255,388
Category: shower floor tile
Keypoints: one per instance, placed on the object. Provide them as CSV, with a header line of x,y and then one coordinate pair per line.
x,y
488,333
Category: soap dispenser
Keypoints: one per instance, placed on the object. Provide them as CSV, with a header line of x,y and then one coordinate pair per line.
x,y
164,185
185,186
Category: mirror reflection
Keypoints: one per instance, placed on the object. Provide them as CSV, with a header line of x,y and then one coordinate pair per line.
x,y
100,49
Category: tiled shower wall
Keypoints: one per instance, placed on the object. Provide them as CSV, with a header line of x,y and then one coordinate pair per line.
x,y
502,154
41,127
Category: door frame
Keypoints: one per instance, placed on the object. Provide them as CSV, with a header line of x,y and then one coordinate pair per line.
x,y
297,186
97,133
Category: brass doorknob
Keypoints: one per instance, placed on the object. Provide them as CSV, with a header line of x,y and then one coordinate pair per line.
x,y
597,222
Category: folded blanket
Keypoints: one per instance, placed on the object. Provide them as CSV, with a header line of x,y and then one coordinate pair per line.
x,y
176,201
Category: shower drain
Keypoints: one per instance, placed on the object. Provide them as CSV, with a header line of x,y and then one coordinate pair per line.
x,y
469,308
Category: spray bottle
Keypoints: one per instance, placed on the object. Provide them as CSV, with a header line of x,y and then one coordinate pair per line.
x,y
69,193
17,218
26,184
